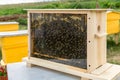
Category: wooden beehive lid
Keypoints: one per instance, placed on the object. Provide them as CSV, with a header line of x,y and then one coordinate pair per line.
x,y
64,10
4,23
13,33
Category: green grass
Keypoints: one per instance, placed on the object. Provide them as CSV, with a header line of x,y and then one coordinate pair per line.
x,y
77,4
19,8
113,50
113,54
22,27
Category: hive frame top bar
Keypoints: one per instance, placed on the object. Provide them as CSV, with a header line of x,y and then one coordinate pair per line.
x,y
71,9
66,10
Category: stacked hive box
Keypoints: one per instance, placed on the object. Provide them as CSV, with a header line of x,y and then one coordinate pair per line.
x,y
8,26
113,22
14,46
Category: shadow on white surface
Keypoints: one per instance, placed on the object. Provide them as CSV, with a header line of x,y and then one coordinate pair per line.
x,y
19,71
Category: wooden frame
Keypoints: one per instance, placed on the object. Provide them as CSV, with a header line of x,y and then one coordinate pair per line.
x,y
96,43
105,72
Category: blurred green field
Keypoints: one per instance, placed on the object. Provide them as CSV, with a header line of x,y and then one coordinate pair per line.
x,y
19,8
113,50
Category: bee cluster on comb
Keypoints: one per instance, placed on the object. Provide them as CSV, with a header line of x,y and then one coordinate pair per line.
x,y
60,38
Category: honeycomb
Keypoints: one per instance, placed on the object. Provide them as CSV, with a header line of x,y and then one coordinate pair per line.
x,y
60,38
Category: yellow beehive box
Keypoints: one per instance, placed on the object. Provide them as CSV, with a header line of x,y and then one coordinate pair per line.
x,y
9,26
113,22
14,46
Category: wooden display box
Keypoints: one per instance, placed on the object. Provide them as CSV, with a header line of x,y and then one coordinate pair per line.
x,y
69,40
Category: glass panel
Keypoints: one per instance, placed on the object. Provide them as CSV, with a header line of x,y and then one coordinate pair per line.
x,y
61,38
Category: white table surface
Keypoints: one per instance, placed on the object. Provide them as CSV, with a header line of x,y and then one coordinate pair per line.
x,y
19,71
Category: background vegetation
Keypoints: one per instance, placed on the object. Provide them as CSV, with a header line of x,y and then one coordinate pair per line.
x,y
19,9
113,50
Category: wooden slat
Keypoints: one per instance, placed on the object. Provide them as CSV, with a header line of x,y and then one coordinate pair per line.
x,y
73,11
96,47
49,56
102,69
92,60
64,68
112,73
102,44
29,36
67,10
